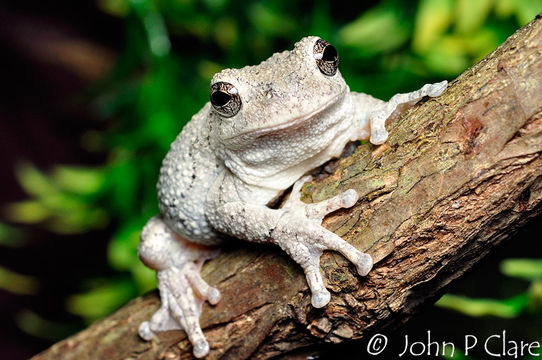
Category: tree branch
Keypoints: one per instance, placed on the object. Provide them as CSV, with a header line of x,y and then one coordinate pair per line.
x,y
458,175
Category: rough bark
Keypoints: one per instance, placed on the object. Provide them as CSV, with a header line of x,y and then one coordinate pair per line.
x,y
458,175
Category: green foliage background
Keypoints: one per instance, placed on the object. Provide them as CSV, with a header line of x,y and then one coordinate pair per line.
x,y
172,49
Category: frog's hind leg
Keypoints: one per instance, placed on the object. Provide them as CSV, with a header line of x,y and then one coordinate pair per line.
x,y
182,290
380,114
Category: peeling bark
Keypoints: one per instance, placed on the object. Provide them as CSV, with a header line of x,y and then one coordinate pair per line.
x,y
459,174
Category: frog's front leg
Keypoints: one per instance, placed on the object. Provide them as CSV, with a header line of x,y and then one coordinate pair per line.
x,y
300,233
182,290
297,229
379,115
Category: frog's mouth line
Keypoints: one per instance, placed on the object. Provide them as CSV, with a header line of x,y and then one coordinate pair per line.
x,y
291,123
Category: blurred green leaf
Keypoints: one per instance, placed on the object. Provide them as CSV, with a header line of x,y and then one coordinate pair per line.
x,y
153,22
528,269
103,298
145,278
216,5
321,23
27,212
535,295
448,57
61,212
505,8
508,308
526,10
123,255
35,325
77,222
207,69
269,21
481,43
457,354
198,26
17,283
64,202
79,180
123,247
226,33
471,14
377,30
11,237
34,182
118,8
121,175
433,18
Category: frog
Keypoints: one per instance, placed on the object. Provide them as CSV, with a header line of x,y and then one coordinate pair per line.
x,y
264,128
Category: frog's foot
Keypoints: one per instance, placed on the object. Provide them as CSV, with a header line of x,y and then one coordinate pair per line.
x,y
300,233
182,290
378,117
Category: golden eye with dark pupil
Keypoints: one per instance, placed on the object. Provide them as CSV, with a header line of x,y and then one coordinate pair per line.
x,y
225,99
326,57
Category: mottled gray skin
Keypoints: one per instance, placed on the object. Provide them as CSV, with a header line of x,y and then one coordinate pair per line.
x,y
221,172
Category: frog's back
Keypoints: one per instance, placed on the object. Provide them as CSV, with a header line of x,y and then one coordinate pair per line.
x,y
188,170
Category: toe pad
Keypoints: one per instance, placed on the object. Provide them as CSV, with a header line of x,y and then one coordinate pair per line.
x,y
320,299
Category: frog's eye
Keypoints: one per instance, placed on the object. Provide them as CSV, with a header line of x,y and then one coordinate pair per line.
x,y
326,57
225,99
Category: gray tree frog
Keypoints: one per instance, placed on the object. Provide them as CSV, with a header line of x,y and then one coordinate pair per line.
x,y
264,128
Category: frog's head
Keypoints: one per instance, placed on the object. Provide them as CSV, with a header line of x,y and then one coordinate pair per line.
x,y
285,90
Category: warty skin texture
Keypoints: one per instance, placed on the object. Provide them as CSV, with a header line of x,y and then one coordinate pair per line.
x,y
285,117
